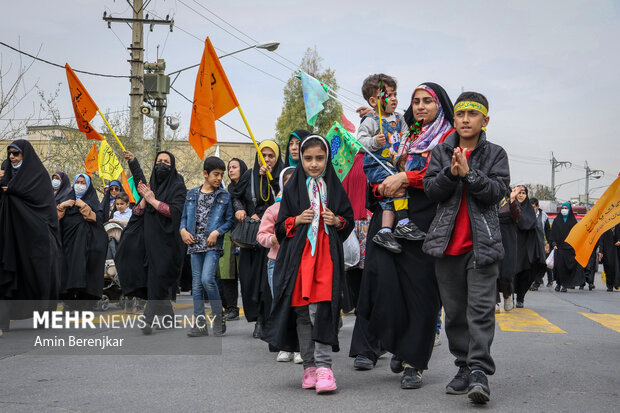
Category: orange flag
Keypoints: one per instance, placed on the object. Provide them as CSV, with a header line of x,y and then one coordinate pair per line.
x,y
604,215
127,188
90,163
83,105
213,98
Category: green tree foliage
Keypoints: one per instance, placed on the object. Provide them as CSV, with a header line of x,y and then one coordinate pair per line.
x,y
293,114
539,191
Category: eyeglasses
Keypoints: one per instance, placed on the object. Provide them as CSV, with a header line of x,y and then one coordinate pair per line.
x,y
14,153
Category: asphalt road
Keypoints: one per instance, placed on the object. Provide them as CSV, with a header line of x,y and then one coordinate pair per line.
x,y
573,368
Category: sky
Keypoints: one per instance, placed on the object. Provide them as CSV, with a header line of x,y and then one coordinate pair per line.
x,y
548,68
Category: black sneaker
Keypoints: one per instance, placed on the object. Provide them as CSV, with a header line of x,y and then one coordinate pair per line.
x,y
198,331
591,287
363,363
412,378
219,326
460,382
519,304
478,390
396,365
387,241
232,314
557,287
409,231
563,289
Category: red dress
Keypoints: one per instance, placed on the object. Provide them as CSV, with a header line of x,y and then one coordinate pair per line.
x,y
315,274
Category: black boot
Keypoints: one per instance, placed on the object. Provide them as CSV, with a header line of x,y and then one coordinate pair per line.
x,y
232,314
258,330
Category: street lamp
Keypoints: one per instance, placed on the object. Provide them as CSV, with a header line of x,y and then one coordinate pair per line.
x,y
269,46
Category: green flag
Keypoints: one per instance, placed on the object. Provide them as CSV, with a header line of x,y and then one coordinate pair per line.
x,y
134,190
343,147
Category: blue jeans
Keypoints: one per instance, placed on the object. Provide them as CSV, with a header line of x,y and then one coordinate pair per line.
x,y
271,264
204,268
439,321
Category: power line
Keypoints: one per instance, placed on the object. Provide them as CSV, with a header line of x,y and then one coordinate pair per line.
x,y
62,66
221,121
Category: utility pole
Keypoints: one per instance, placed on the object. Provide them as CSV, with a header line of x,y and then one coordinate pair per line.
x,y
555,164
594,173
136,91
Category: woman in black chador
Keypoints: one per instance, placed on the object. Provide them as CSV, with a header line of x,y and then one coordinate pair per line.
x,y
567,271
150,253
255,193
84,243
30,249
530,248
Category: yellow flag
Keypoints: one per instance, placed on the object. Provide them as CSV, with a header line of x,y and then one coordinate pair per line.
x,y
109,166
604,215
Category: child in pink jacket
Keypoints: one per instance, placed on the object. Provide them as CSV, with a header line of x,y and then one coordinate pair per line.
x,y
267,238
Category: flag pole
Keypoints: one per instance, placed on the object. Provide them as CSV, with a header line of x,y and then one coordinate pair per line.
x,y
111,130
380,121
260,155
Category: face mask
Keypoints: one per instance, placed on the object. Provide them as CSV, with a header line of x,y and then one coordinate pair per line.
x,y
161,171
564,212
18,165
55,183
79,189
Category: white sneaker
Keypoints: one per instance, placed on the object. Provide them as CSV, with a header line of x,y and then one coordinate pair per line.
x,y
284,356
497,308
509,303
297,358
437,340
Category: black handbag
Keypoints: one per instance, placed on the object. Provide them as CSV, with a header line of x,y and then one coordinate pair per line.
x,y
244,234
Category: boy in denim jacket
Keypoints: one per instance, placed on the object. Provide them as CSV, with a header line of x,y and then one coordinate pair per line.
x,y
207,216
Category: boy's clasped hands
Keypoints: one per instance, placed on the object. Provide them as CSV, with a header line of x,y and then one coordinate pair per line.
x,y
459,165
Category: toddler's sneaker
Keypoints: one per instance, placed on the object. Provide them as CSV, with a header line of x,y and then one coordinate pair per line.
x,y
325,381
387,241
309,380
409,231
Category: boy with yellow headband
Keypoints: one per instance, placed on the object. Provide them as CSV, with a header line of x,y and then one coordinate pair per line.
x,y
468,176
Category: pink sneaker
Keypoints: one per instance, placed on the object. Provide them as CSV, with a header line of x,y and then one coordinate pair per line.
x,y
309,380
325,380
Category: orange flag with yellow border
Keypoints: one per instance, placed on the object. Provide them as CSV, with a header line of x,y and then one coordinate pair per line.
x,y
90,162
604,215
213,98
83,105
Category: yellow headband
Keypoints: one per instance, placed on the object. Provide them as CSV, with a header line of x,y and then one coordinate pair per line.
x,y
271,145
472,106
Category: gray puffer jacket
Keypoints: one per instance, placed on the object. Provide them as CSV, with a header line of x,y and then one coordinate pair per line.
x,y
485,186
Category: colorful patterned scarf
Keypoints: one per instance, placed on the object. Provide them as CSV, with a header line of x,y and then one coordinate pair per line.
x,y
317,193
431,133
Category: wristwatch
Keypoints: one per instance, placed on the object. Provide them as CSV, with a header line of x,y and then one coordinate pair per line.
x,y
470,177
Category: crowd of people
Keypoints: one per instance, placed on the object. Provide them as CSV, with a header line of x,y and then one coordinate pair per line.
x,y
429,202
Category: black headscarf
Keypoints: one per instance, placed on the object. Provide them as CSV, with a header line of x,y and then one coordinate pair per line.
x,y
29,230
280,330
444,99
300,134
64,191
233,187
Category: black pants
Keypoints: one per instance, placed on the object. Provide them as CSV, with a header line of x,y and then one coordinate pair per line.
x,y
523,281
229,291
468,297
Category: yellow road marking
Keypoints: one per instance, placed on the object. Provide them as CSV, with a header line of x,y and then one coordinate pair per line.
x,y
526,320
611,321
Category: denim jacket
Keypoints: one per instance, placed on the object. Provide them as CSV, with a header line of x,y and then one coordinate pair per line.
x,y
220,216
